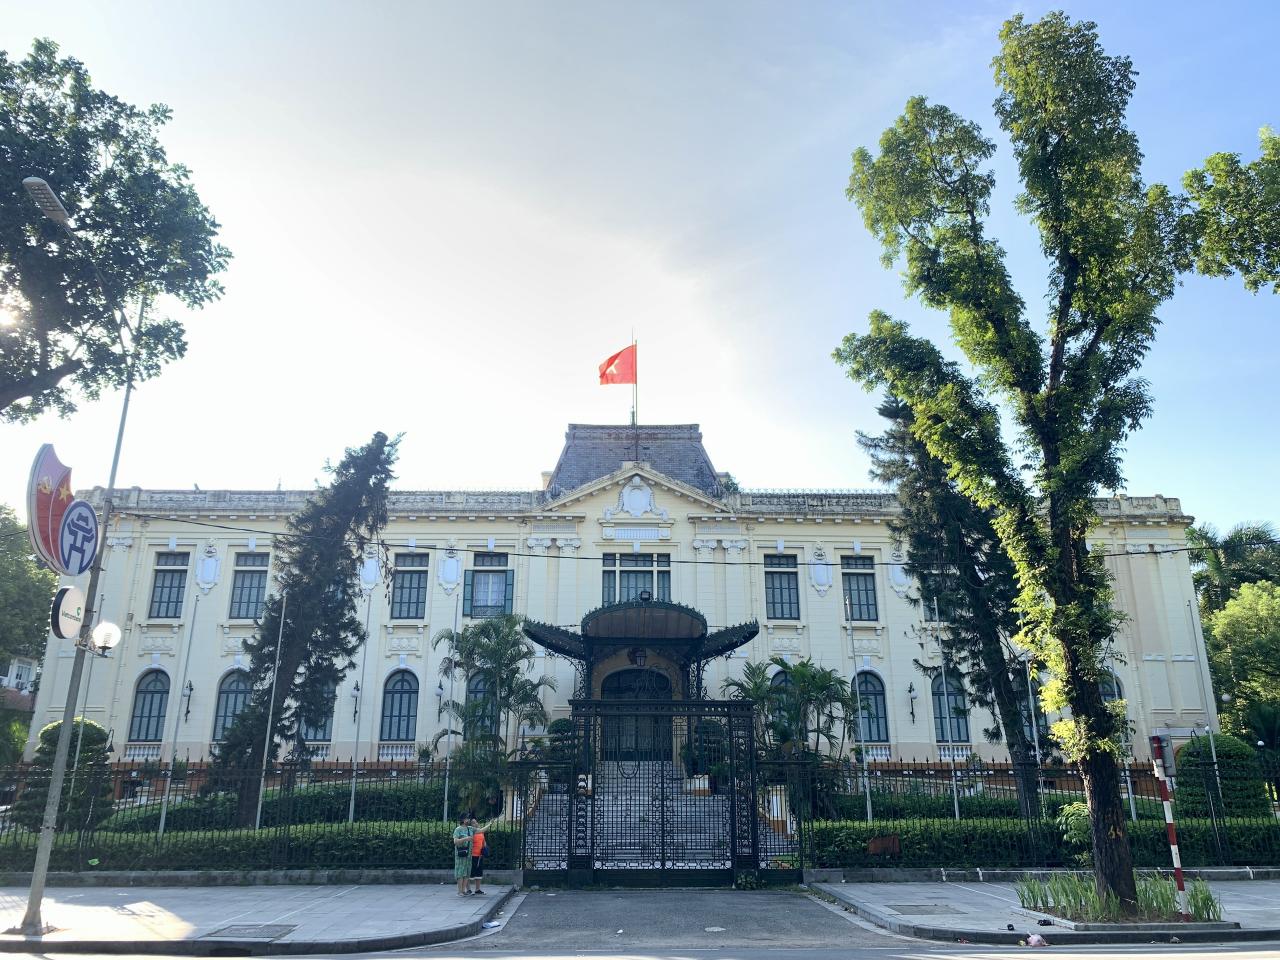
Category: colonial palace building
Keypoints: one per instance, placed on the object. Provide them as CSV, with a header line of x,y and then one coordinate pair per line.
x,y
638,566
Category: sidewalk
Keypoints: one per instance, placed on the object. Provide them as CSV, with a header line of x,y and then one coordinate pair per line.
x,y
257,920
980,912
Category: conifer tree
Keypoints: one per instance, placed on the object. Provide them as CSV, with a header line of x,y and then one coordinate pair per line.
x,y
311,616
953,553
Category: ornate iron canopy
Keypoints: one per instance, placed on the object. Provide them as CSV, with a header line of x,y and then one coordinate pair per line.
x,y
648,620
656,624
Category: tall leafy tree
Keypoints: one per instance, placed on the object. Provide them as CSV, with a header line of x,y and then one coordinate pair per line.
x,y
141,232
311,626
26,590
956,557
1244,648
1246,553
1068,387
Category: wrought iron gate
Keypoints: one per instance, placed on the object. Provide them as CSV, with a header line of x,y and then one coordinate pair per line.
x,y
686,803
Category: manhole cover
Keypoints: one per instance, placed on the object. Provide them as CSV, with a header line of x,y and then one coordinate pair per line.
x,y
922,909
252,931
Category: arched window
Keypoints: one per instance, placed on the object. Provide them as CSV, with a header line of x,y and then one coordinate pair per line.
x,y
959,710
150,700
481,711
873,718
1111,687
322,732
780,679
400,707
233,696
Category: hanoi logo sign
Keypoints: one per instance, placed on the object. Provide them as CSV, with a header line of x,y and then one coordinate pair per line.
x,y
78,538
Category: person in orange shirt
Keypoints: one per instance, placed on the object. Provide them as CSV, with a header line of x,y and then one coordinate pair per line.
x,y
478,851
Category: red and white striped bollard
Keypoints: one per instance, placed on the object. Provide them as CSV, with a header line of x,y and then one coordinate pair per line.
x,y
1157,758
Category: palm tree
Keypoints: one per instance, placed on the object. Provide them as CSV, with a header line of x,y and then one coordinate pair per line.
x,y
1247,553
494,661
809,704
757,686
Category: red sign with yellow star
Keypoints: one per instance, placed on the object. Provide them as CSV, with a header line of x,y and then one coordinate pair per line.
x,y
48,497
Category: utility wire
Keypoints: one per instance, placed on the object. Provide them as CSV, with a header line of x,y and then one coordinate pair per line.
x,y
655,545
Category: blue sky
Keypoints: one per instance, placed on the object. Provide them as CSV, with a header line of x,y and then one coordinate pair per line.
x,y
445,215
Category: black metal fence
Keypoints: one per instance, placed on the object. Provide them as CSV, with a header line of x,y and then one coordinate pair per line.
x,y
806,813
193,816
979,814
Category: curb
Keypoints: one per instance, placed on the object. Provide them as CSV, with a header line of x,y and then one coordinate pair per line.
x,y
219,947
1057,936
247,878
1009,875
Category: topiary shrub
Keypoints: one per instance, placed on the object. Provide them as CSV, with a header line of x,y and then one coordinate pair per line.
x,y
1243,787
87,801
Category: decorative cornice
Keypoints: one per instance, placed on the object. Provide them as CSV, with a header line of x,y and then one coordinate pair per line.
x,y
510,504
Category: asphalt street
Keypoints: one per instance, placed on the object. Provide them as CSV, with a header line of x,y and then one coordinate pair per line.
x,y
636,920
729,925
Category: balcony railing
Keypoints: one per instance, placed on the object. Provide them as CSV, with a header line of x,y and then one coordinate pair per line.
x,y
141,751
954,751
397,751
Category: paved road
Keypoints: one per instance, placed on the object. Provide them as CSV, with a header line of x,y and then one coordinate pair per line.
x,y
633,920
764,925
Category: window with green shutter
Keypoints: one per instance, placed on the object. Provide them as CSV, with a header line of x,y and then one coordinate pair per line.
x,y
488,589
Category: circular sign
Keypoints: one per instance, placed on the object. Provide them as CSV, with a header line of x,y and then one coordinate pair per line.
x,y
78,538
67,613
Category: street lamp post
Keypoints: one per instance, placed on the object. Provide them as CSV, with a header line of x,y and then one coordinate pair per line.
x,y
105,636
32,925
448,757
857,737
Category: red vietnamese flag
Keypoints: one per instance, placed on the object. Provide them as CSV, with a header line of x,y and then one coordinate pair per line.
x,y
620,368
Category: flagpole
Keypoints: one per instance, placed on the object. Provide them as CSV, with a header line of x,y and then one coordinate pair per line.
x,y
635,395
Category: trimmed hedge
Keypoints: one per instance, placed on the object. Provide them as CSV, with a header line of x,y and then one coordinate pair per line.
x,y
413,846
936,843
407,801
909,806
428,845
988,843
1244,789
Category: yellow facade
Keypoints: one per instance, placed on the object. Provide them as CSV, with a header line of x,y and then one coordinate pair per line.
x,y
554,540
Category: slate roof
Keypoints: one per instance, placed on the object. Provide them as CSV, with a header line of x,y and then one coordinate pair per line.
x,y
592,451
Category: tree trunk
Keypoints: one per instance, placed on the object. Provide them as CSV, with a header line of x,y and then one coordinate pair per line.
x,y
252,780
1112,858
1081,638
1009,707
250,787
